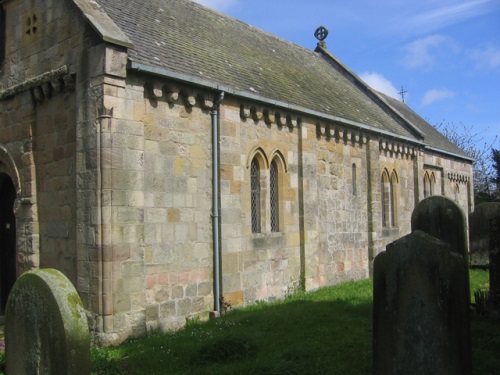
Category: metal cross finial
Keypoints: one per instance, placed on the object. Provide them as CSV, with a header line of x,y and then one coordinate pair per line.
x,y
402,93
321,33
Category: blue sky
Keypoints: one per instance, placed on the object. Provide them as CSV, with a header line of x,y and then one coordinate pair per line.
x,y
445,53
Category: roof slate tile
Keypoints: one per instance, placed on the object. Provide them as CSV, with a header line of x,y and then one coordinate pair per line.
x,y
187,38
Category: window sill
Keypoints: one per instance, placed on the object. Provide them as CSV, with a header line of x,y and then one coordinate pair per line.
x,y
390,232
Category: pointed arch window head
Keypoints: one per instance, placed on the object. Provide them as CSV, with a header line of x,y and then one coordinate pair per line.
x,y
429,184
255,195
389,199
386,193
274,196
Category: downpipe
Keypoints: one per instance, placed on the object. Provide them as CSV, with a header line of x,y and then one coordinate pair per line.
x,y
216,202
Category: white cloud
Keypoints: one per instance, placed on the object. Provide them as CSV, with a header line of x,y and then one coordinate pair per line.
x,y
420,53
380,83
488,57
218,4
436,95
451,13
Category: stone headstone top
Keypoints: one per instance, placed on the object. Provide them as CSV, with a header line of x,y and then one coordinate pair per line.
x,y
479,231
444,219
46,330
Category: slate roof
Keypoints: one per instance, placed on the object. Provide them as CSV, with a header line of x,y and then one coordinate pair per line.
x,y
432,137
191,40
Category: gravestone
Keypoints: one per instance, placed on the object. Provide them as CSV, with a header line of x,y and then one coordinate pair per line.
x,y
444,219
494,255
479,232
46,329
421,297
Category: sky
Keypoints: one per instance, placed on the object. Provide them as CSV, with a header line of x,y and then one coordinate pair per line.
x,y
445,54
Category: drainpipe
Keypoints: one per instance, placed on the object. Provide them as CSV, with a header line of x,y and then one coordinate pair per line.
x,y
216,201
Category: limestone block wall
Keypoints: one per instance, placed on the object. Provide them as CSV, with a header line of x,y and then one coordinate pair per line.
x,y
40,36
456,180
264,265
38,110
399,160
159,219
54,161
343,206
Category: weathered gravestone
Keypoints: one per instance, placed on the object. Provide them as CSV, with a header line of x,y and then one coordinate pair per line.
x,y
421,300
479,232
494,255
46,329
444,219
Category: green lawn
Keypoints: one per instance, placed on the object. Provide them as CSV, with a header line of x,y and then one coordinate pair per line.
x,y
325,332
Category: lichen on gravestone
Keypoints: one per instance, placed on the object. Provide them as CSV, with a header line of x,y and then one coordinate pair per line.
x,y
46,330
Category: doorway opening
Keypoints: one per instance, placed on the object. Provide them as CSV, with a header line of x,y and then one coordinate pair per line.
x,y
8,272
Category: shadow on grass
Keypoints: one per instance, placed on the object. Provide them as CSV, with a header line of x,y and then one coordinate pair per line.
x,y
325,332
296,337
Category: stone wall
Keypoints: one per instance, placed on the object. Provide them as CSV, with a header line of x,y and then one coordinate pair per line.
x,y
265,265
55,161
453,178
396,161
342,209
115,183
38,110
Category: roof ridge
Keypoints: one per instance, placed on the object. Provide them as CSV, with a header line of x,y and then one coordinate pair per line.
x,y
374,94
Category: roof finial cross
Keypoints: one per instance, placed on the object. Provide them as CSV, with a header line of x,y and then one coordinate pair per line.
x,y
321,33
402,93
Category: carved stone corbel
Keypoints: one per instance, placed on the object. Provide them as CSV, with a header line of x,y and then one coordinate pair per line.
x,y
292,121
154,89
244,112
171,93
206,102
256,113
280,119
189,99
269,117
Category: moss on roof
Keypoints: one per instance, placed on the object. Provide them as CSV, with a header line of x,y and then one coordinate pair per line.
x,y
433,137
187,38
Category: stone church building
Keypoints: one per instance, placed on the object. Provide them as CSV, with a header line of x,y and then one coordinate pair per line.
x,y
163,155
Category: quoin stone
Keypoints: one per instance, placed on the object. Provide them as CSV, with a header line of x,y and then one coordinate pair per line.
x,y
46,329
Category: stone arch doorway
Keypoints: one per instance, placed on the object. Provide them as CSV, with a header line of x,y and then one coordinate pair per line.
x,y
7,239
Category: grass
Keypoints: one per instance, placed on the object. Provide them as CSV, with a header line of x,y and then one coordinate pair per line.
x,y
325,332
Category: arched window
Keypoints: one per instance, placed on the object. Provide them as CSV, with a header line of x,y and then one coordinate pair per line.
x,y
389,199
394,205
427,185
274,196
386,199
255,195
354,180
457,192
433,182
